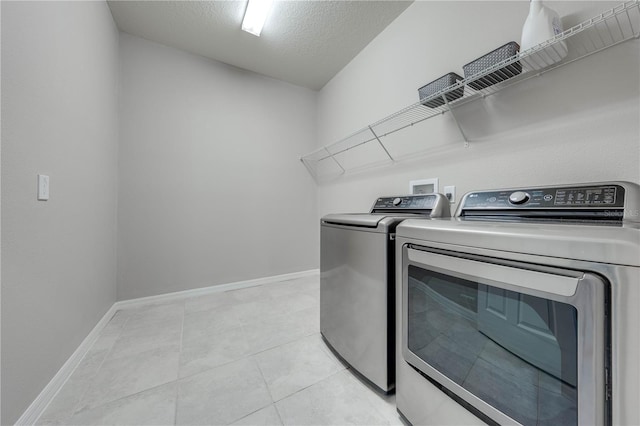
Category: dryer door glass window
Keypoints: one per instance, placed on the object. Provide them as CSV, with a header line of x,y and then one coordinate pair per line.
x,y
516,352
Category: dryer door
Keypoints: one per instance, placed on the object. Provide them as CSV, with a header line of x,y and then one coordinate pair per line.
x,y
518,342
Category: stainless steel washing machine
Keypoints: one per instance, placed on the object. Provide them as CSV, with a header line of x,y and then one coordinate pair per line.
x,y
523,309
357,295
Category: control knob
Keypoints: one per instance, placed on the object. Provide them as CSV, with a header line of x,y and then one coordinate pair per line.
x,y
397,201
518,197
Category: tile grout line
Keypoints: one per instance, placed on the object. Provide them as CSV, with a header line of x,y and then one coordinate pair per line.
x,y
278,413
101,365
133,394
131,309
77,406
264,379
308,386
266,385
250,356
41,411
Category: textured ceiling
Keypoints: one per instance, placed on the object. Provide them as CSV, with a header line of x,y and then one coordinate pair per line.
x,y
303,42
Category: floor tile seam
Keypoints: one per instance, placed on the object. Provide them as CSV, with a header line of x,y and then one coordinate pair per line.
x,y
208,369
131,395
245,356
244,332
278,413
280,345
70,382
120,358
307,387
309,334
253,412
141,323
264,379
297,311
76,408
212,333
175,411
93,407
265,384
260,319
193,311
174,335
163,324
152,323
135,354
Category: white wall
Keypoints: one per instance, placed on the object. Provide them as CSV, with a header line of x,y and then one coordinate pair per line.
x,y
0,220
211,190
59,117
576,124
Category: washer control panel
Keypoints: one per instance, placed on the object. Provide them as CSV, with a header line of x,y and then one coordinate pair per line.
x,y
405,202
550,198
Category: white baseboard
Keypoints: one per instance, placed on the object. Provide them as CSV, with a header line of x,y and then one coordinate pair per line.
x,y
184,294
42,401
37,407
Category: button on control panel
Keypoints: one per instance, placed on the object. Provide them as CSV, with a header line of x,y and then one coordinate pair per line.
x,y
519,197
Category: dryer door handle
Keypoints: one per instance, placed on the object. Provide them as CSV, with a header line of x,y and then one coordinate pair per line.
x,y
508,277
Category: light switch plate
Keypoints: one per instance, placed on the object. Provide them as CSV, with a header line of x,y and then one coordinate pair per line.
x,y
43,187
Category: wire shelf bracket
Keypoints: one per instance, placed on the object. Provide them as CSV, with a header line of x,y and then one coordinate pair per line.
x,y
381,144
453,114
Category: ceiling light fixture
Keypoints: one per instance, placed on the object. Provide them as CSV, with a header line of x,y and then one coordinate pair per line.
x,y
255,15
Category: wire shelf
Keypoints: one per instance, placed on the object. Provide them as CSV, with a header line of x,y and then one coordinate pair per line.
x,y
615,26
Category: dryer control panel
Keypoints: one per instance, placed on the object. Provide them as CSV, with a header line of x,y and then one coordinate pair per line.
x,y
595,201
548,198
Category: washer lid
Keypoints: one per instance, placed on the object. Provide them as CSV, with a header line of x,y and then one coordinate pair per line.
x,y
619,245
354,219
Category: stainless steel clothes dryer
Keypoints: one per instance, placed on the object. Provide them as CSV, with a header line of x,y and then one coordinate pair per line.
x,y
357,301
523,309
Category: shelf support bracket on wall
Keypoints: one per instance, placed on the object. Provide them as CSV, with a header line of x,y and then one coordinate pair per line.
x,y
381,144
464,137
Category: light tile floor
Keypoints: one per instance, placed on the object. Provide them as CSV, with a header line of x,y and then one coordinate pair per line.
x,y
244,357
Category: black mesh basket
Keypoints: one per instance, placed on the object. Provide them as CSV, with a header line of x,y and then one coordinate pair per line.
x,y
490,59
440,84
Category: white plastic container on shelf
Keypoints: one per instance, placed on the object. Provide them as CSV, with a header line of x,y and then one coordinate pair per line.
x,y
541,25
